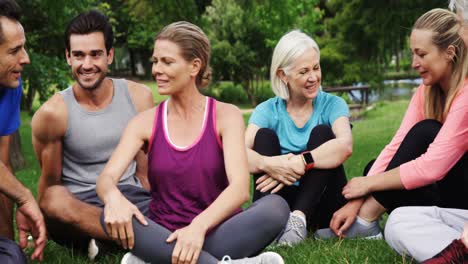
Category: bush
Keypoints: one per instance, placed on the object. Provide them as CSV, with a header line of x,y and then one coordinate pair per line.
x,y
233,94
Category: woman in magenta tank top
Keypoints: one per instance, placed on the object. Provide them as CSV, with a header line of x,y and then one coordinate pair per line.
x,y
197,169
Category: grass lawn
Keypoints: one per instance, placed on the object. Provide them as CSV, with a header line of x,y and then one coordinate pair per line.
x,y
370,134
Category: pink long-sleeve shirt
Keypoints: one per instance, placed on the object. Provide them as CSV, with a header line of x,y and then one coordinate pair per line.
x,y
443,153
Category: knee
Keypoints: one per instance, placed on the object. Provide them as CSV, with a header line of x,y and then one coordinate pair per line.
x,y
53,203
393,228
277,211
426,129
319,135
265,139
10,252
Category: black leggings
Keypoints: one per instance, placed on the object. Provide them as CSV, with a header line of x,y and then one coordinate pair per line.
x,y
449,192
318,195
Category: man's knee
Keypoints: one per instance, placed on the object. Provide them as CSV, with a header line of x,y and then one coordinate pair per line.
x,y
10,252
55,203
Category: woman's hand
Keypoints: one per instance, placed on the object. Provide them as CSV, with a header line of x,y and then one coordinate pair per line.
x,y
356,187
118,213
188,245
344,217
266,183
284,168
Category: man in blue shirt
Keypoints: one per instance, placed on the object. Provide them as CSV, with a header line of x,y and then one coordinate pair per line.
x,y
29,219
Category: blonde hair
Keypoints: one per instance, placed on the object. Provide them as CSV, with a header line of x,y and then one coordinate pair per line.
x,y
460,6
289,48
193,44
445,27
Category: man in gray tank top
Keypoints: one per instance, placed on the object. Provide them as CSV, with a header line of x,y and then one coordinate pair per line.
x,y
76,131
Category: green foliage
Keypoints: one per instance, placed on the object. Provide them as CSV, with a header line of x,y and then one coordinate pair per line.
x,y
401,75
362,36
232,93
242,35
46,75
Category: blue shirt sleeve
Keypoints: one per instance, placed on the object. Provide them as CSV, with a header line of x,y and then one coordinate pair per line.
x,y
263,114
10,100
336,108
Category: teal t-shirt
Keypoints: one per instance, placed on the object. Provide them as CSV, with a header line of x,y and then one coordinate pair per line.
x,y
272,114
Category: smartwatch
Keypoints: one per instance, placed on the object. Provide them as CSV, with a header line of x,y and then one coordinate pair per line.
x,y
308,160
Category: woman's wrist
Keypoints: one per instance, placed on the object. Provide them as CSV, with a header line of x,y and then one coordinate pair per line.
x,y
200,225
111,195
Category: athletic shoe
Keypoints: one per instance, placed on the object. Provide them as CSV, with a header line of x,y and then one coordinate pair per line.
x,y
295,231
93,249
129,258
264,258
359,229
455,253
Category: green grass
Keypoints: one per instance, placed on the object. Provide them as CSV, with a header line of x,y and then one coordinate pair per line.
x,y
370,134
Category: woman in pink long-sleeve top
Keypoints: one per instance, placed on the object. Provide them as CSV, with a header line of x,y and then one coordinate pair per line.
x,y
426,163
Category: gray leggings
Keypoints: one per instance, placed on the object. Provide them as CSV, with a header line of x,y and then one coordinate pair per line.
x,y
243,235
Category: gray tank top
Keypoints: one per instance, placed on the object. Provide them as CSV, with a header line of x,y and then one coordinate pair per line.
x,y
91,137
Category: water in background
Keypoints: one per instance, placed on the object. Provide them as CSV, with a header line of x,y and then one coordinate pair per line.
x,y
390,90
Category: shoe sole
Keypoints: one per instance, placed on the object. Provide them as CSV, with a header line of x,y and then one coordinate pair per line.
x,y
379,236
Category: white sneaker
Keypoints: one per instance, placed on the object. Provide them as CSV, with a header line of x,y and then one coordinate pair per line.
x,y
295,231
93,249
264,258
129,258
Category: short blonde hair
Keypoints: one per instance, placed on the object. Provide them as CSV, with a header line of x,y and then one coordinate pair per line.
x,y
289,48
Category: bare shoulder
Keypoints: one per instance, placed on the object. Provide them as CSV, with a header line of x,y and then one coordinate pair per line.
x,y
50,120
142,123
141,95
228,115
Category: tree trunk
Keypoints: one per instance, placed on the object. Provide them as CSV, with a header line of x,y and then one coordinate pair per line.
x,y
29,98
248,91
16,155
132,61
397,60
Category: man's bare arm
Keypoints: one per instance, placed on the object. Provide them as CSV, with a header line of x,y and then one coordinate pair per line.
x,y
48,129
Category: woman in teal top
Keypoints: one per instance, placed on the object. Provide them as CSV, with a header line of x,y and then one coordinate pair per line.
x,y
298,140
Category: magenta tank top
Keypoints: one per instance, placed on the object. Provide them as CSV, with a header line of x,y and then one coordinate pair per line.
x,y
184,180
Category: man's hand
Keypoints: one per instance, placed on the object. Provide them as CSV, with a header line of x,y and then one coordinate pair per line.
x,y
29,220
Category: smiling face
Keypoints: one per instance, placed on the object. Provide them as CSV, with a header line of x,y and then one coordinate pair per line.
x,y
89,59
434,65
13,55
170,70
305,75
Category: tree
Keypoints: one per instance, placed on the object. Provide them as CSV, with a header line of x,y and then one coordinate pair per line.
x,y
243,34
362,36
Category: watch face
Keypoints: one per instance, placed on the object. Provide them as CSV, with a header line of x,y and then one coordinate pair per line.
x,y
308,157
